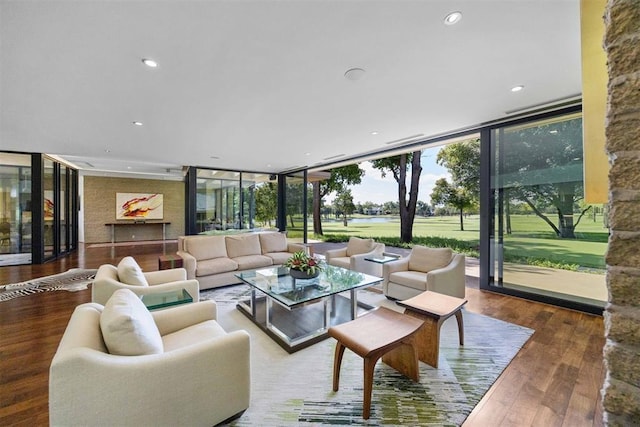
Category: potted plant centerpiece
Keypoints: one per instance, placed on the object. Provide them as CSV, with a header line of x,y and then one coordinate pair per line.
x,y
303,266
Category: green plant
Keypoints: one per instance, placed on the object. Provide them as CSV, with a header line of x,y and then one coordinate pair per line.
x,y
303,262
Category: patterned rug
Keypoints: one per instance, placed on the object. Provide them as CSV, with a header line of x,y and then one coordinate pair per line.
x,y
296,389
75,279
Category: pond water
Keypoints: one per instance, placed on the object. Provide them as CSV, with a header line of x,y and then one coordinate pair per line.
x,y
365,220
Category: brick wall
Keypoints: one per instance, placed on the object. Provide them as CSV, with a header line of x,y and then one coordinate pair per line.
x,y
621,391
100,208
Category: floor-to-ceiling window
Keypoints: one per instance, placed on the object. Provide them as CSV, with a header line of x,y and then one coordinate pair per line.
x,y
219,200
15,209
297,205
544,240
38,208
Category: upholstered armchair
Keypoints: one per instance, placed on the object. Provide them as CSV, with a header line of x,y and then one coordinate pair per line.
x,y
425,269
128,275
353,256
121,365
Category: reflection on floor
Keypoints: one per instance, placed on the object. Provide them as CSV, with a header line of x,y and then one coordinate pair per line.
x,y
577,286
14,259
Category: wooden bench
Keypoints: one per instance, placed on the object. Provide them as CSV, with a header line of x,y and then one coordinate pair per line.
x,y
379,333
433,308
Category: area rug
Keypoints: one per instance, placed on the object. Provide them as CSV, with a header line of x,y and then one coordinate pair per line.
x,y
75,279
296,389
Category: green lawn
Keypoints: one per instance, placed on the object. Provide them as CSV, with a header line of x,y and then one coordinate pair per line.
x,y
531,238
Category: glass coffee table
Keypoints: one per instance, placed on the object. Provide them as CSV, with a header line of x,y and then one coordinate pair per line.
x,y
297,313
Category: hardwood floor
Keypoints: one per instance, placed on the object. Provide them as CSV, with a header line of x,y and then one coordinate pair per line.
x,y
554,380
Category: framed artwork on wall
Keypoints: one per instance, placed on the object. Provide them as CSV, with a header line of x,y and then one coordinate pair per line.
x,y
139,206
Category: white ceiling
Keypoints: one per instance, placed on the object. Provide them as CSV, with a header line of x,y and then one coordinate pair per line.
x,y
260,86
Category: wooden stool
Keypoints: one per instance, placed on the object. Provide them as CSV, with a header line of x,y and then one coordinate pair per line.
x,y
379,333
433,308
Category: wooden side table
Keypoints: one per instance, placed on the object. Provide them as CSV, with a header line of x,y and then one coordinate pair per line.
x,y
166,262
379,333
433,308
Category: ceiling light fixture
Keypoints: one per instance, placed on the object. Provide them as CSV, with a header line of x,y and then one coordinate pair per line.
x,y
517,88
354,73
375,132
453,18
137,123
149,63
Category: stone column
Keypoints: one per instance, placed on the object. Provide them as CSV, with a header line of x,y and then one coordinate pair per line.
x,y
621,391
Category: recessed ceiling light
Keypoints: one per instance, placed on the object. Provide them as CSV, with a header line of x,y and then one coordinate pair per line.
x,y
453,18
137,123
106,150
149,63
375,132
307,154
354,73
517,88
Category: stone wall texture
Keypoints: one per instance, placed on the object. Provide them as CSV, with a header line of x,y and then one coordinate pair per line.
x,y
100,208
621,390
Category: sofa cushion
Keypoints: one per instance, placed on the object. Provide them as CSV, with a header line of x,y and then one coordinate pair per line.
x,y
194,334
253,261
206,247
357,246
128,329
411,279
243,245
130,273
215,266
273,242
426,259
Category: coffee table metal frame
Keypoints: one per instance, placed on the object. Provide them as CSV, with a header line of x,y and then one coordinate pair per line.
x,y
273,288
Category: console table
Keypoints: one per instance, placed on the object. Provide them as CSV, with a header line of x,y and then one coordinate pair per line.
x,y
113,226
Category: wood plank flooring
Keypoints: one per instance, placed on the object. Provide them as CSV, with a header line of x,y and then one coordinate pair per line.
x,y
555,380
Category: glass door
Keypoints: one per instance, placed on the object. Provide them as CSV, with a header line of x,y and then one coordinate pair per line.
x,y
15,209
544,239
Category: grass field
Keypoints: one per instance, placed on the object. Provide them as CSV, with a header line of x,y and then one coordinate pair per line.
x,y
531,238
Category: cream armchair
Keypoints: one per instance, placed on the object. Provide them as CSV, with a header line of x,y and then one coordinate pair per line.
x,y
353,256
425,269
128,275
200,375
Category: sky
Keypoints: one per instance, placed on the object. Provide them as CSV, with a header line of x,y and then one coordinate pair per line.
x,y
378,190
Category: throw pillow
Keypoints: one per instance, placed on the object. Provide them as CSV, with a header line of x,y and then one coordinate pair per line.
x,y
128,329
357,246
426,259
130,273
273,242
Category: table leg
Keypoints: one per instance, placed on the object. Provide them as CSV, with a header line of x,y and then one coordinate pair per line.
x,y
113,234
354,303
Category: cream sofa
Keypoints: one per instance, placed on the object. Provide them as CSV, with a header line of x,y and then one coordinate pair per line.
x,y
121,365
215,260
425,269
353,256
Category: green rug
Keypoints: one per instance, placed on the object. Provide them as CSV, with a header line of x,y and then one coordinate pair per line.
x,y
296,389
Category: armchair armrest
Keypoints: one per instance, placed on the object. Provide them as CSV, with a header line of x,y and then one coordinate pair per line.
x,y
182,316
359,263
449,280
165,276
335,253
402,264
220,365
295,247
189,263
